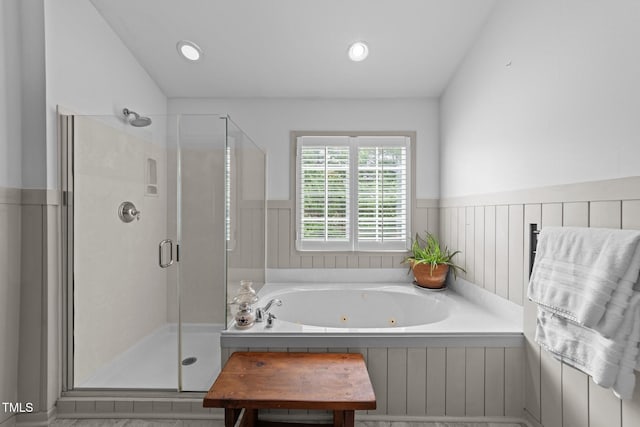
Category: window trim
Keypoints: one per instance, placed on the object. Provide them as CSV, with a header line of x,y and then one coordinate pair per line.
x,y
369,248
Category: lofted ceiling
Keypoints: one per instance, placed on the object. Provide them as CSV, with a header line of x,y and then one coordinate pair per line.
x,y
298,48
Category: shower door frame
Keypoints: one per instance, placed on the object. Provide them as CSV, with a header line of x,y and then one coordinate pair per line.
x,y
65,162
66,148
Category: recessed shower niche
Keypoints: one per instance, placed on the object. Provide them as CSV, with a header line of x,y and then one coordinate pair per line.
x,y
142,297
151,184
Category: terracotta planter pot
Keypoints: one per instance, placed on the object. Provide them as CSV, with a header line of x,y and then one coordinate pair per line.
x,y
427,278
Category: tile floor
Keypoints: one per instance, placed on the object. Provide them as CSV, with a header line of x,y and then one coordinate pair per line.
x,y
220,423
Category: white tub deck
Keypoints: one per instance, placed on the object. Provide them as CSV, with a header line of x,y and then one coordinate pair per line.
x,y
476,319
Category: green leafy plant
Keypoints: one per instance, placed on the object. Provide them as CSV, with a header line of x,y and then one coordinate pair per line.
x,y
427,250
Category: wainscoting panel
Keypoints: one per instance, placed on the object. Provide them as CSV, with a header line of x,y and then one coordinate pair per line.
x,y
462,239
575,214
575,397
436,381
478,247
605,409
513,381
470,245
493,234
606,214
631,214
555,394
397,381
502,251
490,248
281,252
417,381
494,380
472,381
551,390
455,382
631,408
516,253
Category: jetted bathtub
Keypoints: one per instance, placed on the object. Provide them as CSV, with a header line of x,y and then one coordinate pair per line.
x,y
382,314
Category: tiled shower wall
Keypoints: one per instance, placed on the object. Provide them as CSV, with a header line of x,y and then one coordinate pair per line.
x,y
115,263
492,232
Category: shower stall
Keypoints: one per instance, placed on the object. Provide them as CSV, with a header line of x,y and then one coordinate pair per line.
x,y
162,217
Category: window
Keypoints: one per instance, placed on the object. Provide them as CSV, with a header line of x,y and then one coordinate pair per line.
x,y
352,193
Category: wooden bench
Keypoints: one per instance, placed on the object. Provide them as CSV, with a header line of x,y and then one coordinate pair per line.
x,y
316,381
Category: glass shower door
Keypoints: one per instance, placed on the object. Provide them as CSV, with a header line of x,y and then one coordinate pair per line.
x,y
202,235
122,233
163,219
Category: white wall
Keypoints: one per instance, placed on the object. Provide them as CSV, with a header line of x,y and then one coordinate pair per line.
x,y
22,94
90,71
269,121
564,111
10,96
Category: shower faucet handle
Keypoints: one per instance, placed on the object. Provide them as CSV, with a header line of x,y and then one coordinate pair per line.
x,y
135,212
128,212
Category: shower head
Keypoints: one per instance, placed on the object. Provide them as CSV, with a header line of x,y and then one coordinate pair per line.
x,y
137,120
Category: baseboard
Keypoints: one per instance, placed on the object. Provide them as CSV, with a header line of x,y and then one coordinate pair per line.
x,y
36,419
406,418
191,409
8,422
532,421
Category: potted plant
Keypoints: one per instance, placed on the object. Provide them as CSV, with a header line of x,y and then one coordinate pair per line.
x,y
430,262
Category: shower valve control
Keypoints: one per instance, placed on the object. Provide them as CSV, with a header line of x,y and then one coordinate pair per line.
x,y
128,212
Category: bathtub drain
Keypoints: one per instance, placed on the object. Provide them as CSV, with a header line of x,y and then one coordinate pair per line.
x,y
189,361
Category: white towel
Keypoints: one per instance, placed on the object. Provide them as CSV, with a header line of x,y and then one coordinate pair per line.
x,y
586,275
609,361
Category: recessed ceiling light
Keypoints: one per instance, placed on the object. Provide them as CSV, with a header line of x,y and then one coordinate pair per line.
x,y
189,50
358,51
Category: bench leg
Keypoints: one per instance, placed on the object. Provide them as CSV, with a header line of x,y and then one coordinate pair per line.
x,y
231,416
249,418
343,418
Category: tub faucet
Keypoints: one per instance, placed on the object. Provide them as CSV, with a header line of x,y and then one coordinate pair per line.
x,y
270,320
262,311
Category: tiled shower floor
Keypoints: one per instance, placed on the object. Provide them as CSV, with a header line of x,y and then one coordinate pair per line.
x,y
152,362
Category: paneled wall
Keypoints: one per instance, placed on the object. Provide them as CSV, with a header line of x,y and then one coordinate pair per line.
x,y
29,355
494,240
492,245
438,381
281,252
10,220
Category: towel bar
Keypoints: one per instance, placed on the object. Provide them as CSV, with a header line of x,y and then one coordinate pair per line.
x,y
533,244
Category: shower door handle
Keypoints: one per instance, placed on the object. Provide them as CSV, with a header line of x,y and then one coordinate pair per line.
x,y
161,253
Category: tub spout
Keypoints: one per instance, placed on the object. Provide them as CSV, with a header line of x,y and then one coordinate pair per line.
x,y
262,311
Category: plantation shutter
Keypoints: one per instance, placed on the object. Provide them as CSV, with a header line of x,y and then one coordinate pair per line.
x,y
323,193
383,189
352,193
